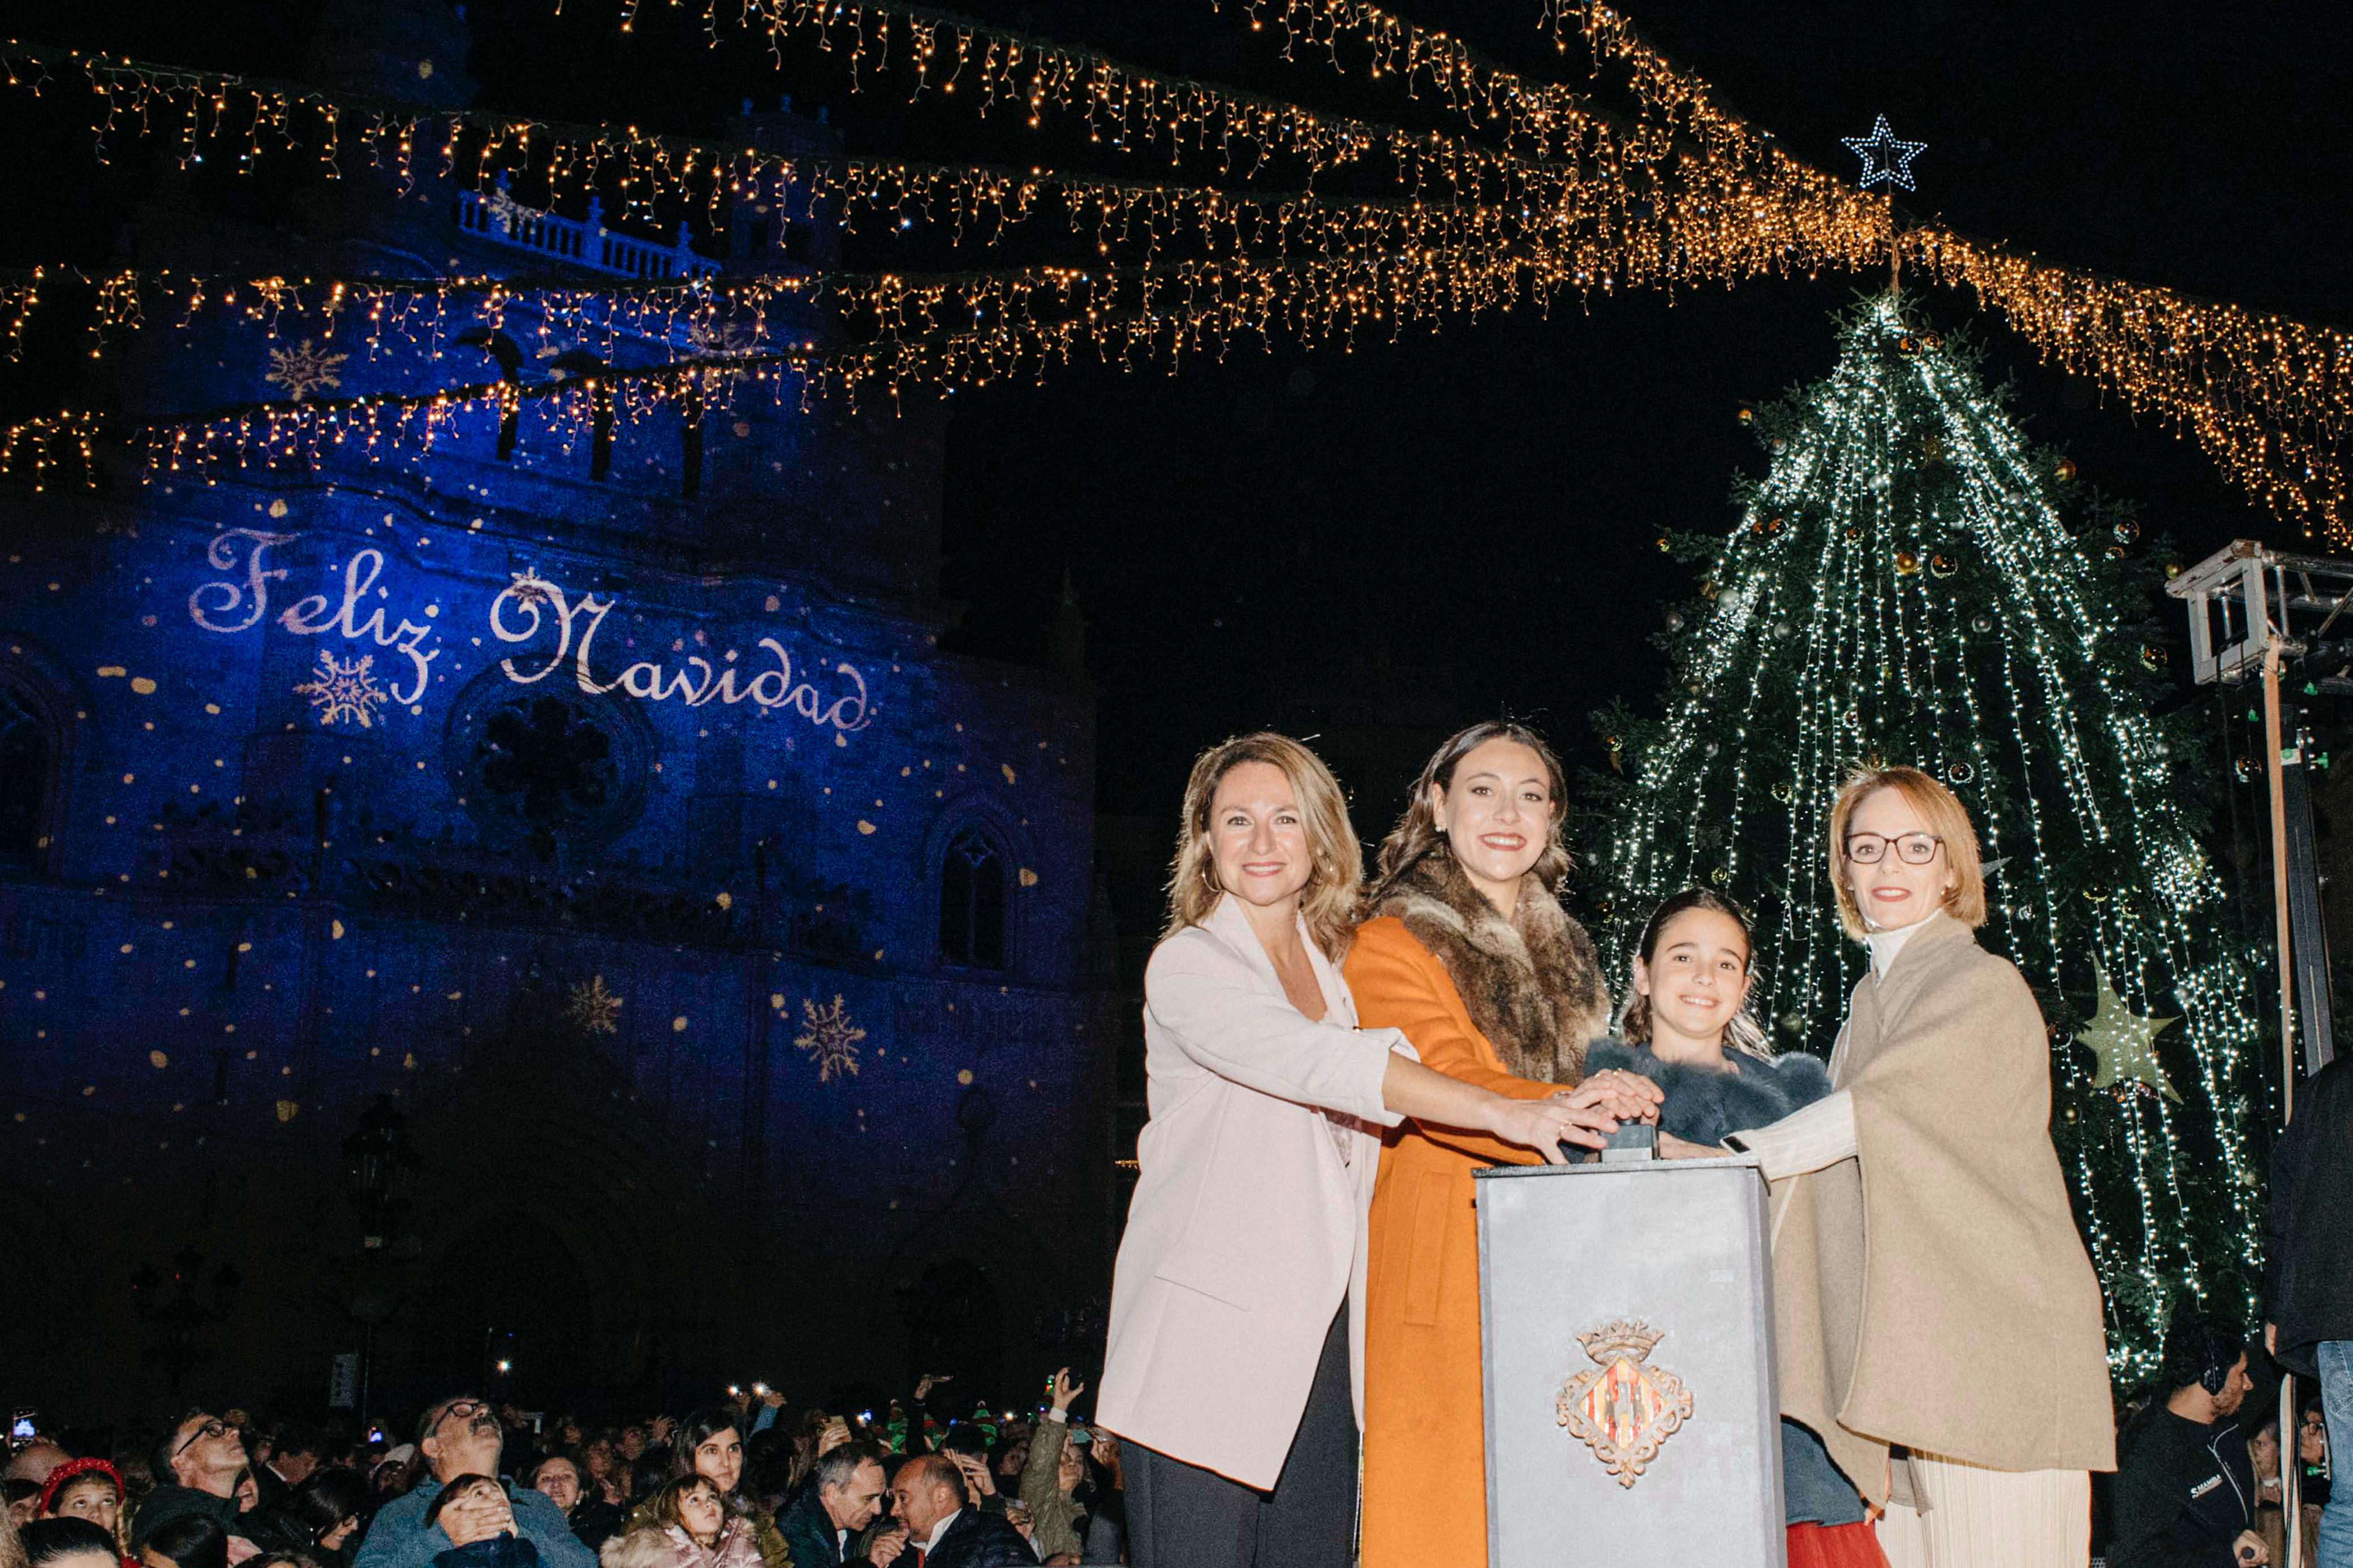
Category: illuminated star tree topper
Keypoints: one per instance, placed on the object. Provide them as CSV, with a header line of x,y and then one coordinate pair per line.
x,y
1886,161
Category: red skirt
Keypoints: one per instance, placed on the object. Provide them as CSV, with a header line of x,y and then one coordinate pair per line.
x,y
1835,1546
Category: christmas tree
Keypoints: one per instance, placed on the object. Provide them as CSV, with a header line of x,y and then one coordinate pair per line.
x,y
1912,581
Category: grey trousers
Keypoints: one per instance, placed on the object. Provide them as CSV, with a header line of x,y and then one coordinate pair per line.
x,y
1181,1516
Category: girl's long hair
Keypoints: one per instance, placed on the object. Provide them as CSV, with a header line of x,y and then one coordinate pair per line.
x,y
1329,902
1416,837
1743,1033
671,1493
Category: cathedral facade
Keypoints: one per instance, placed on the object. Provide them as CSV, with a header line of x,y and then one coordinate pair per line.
x,y
539,910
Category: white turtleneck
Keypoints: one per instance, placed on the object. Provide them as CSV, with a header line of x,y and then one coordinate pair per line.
x,y
1822,1133
1885,945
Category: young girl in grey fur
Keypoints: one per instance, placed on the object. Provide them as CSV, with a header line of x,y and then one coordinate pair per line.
x,y
1687,1028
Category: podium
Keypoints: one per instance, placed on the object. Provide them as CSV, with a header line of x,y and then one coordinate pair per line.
x,y
1626,1322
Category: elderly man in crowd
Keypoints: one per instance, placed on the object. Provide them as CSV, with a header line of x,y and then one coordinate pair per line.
x,y
944,1529
35,1460
842,1496
197,1467
461,1436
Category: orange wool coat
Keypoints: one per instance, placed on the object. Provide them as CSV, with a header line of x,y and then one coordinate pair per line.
x,y
1425,1499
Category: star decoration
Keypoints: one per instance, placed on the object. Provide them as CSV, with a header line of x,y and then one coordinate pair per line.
x,y
305,369
830,1040
593,1009
1885,159
345,690
2125,1045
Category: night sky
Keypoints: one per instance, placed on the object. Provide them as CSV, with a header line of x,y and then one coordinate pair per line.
x,y
1483,504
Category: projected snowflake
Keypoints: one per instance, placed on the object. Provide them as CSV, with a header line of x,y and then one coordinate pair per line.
x,y
593,1009
345,690
305,369
830,1039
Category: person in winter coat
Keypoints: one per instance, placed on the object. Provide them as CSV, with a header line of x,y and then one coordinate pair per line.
x,y
944,1529
2185,1494
1930,1288
1231,1376
482,1534
1051,1476
709,1445
558,1478
2310,1270
320,1517
837,1509
1690,1002
1466,950
702,1534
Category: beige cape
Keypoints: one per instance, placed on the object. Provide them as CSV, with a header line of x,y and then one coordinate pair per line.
x,y
1933,1293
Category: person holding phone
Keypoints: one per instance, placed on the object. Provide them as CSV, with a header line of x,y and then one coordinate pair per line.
x,y
1054,1473
1234,1369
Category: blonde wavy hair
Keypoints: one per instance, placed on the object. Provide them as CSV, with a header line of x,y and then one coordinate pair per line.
x,y
1416,837
1329,902
1945,817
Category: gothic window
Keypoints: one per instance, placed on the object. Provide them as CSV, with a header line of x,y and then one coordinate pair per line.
x,y
28,776
972,901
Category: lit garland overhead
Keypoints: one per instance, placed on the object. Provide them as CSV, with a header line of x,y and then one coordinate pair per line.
x,y
942,330
1912,582
2269,398
1680,192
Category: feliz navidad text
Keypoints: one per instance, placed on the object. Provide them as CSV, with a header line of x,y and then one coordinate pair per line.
x,y
550,631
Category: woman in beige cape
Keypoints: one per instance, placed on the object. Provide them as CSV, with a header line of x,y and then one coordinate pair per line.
x,y
1930,1289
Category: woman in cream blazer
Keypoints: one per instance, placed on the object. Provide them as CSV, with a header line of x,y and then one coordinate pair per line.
x,y
1235,1368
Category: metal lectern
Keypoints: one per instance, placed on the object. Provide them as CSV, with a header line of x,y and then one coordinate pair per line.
x,y
1625,1321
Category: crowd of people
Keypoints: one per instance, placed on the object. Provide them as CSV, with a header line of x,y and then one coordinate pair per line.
x,y
2203,1478
1292,1378
477,1484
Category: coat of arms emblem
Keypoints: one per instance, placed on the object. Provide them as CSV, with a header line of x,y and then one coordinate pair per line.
x,y
1622,1408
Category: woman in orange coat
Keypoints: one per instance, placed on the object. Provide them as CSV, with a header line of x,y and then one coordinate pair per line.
x,y
1468,950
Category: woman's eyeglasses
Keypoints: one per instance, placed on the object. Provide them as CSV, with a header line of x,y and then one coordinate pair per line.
x,y
1912,848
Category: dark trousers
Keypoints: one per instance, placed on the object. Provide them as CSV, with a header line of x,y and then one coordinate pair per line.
x,y
1181,1516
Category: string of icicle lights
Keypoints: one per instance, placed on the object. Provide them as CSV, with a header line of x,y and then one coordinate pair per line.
x,y
2270,399
697,348
1903,585
1679,193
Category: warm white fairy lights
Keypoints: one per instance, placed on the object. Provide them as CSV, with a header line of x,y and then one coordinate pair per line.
x,y
1904,586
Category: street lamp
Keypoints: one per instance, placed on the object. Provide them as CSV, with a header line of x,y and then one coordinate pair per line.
x,y
379,1169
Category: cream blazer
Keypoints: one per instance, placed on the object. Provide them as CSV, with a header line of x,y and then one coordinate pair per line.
x,y
1247,1228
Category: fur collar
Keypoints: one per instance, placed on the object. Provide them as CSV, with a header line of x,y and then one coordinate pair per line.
x,y
1532,984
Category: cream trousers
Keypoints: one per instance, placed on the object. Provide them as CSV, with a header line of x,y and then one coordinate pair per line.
x,y
1977,1518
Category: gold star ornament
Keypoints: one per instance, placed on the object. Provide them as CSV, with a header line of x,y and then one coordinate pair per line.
x,y
2124,1044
